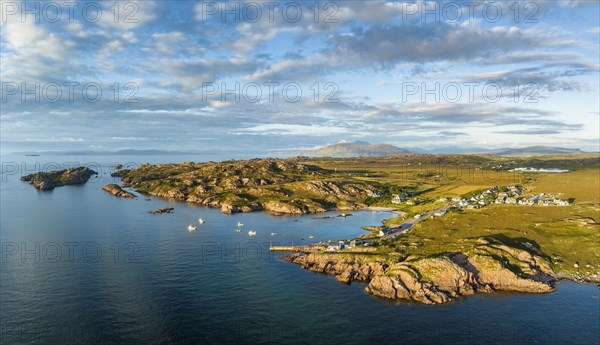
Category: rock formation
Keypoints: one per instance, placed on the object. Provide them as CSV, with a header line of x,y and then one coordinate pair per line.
x,y
438,279
50,180
161,210
117,191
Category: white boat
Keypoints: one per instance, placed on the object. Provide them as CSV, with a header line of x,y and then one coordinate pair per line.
x,y
251,233
191,227
240,224
201,221
273,234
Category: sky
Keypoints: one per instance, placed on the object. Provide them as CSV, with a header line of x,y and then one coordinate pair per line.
x,y
252,76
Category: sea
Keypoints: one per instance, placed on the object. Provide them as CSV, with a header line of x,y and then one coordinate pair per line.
x,y
79,266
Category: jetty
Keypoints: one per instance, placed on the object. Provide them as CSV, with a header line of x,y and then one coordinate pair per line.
x,y
295,248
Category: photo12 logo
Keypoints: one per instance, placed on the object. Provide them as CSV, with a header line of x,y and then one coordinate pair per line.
x,y
53,92
272,11
470,11
69,11
470,92
11,170
269,92
71,252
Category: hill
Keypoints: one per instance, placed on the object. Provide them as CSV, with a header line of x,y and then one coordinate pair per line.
x,y
535,151
357,149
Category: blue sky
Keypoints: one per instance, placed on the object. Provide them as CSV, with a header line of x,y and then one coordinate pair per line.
x,y
500,74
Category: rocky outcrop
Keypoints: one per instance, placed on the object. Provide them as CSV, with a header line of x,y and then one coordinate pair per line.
x,y
438,279
230,209
161,210
52,179
117,191
346,269
304,206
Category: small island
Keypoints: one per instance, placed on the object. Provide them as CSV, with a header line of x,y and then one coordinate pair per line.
x,y
161,210
117,191
52,179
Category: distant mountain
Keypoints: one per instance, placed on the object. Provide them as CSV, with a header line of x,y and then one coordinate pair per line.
x,y
519,151
358,148
535,151
449,150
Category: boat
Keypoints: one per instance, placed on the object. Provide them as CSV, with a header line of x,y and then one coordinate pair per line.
x,y
238,230
251,233
191,228
273,234
201,221
240,224
311,236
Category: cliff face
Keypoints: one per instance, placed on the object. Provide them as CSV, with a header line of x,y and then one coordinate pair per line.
x,y
52,179
274,185
432,280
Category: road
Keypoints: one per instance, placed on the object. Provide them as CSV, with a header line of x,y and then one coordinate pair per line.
x,y
408,224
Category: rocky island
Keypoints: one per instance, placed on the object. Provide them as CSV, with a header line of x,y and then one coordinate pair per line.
x,y
52,179
117,191
161,210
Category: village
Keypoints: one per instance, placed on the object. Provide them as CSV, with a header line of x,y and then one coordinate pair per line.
x,y
508,195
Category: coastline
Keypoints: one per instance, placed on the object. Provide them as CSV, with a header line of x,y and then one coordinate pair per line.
x,y
398,267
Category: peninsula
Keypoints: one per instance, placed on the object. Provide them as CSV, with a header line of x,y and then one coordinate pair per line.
x,y
273,185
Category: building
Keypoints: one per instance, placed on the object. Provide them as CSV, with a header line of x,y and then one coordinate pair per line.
x,y
398,198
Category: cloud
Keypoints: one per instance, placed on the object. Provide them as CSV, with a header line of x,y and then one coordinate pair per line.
x,y
451,133
530,131
368,52
559,76
287,129
384,47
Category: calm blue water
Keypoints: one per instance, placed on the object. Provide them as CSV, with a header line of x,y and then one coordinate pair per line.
x,y
80,266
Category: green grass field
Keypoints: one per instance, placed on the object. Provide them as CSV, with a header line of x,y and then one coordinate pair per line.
x,y
567,236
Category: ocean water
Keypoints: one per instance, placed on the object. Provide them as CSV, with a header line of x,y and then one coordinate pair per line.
x,y
80,266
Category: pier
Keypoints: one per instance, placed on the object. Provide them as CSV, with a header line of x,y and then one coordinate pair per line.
x,y
294,248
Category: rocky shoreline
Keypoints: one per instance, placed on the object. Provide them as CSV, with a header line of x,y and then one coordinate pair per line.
x,y
52,179
489,266
593,278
